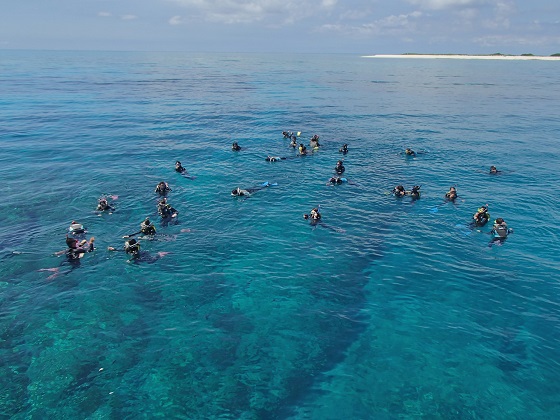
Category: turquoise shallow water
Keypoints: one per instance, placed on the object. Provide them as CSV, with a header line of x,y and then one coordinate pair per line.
x,y
402,313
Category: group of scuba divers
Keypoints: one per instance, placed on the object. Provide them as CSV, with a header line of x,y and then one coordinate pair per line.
x,y
314,216
480,218
78,245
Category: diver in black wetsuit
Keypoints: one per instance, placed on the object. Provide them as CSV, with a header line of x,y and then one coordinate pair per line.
x,y
500,232
414,192
451,195
103,205
238,192
339,168
399,191
481,216
162,188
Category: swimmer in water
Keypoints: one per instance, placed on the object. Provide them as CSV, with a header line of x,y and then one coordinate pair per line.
x,y
481,216
343,149
76,250
314,216
500,232
238,192
409,152
399,191
146,228
314,142
494,170
451,195
302,150
132,248
235,147
274,158
103,205
315,219
76,228
165,210
182,170
339,168
162,188
336,180
414,192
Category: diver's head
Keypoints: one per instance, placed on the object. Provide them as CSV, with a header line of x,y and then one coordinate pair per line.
x,y
71,242
235,191
147,221
499,221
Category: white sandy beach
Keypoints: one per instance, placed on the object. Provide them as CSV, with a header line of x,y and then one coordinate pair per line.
x,y
466,56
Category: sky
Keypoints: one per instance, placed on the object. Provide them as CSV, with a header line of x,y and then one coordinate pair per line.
x,y
286,26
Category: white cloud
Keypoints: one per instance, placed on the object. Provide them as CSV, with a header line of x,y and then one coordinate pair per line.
x,y
104,14
247,11
390,25
514,40
129,17
175,20
446,4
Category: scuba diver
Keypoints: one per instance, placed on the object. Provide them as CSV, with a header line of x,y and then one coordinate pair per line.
x,y
315,219
103,205
235,147
409,152
274,158
500,232
76,228
494,170
481,216
162,188
336,180
314,216
238,192
76,250
182,170
132,248
339,168
451,195
343,149
179,167
399,191
146,228
166,211
314,142
293,142
414,192
302,150
287,134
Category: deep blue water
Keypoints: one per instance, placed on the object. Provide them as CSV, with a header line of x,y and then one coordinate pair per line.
x,y
402,313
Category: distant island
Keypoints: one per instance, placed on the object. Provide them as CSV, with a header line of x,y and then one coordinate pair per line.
x,y
495,56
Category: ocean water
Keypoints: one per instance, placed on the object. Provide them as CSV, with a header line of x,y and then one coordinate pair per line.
x,y
390,309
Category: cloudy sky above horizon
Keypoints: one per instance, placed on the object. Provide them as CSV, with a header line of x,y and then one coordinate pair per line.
x,y
298,26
